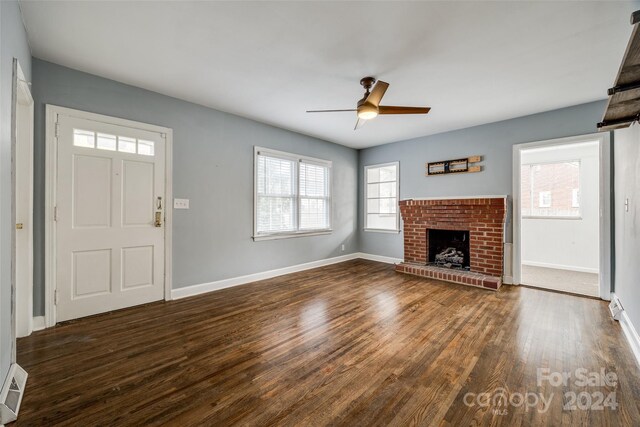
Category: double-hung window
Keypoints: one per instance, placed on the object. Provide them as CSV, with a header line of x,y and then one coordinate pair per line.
x,y
381,197
292,195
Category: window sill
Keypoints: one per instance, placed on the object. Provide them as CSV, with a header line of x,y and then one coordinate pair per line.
x,y
379,230
570,218
275,236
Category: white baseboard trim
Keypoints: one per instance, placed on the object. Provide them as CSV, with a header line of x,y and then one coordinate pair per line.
x,y
507,280
380,258
242,280
203,288
38,323
631,334
561,267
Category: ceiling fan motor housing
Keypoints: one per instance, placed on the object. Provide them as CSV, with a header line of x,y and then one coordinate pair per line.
x,y
367,109
367,83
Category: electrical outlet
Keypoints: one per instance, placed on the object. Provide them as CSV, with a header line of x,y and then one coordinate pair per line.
x,y
342,248
181,203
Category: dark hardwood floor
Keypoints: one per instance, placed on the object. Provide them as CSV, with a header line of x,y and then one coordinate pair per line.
x,y
348,344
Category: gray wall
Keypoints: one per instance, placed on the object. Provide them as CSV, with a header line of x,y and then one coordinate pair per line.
x,y
213,167
493,141
13,44
626,156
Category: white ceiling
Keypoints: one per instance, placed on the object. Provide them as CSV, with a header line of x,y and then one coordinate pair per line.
x,y
472,62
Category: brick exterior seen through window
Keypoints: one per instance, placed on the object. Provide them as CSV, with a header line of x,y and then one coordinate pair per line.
x,y
551,189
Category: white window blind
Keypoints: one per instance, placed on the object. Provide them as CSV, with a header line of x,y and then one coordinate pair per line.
x,y
276,195
292,194
314,196
381,193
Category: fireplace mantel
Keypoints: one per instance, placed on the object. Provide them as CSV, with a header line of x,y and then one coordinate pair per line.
x,y
456,198
484,218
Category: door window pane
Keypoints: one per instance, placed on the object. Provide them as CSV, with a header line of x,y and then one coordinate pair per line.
x,y
145,147
106,142
126,145
83,138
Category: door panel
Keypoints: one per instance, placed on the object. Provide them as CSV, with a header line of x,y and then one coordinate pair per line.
x,y
110,185
91,191
137,267
137,186
91,273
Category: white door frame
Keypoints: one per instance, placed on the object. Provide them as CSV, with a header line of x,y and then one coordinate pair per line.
x,y
604,204
22,135
52,113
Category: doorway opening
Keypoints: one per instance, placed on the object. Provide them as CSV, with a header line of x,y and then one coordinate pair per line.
x,y
559,215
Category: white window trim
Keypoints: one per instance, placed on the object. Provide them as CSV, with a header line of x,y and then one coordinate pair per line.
x,y
575,198
366,187
297,158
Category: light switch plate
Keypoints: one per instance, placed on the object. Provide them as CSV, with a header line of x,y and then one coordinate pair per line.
x,y
181,203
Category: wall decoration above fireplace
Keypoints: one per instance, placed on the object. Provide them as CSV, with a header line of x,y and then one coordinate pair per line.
x,y
444,167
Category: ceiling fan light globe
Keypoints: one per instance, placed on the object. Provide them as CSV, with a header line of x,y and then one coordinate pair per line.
x,y
367,115
367,112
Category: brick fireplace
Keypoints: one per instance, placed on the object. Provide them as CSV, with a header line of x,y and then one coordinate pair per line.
x,y
482,219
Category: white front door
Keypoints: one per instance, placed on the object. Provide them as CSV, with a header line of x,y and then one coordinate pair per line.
x,y
110,193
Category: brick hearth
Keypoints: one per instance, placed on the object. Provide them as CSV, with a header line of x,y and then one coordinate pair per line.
x,y
484,218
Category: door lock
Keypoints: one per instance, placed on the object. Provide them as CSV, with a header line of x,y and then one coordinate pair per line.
x,y
19,226
158,222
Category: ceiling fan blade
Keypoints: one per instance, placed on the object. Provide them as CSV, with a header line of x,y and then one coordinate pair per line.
x,y
329,111
377,93
387,109
359,123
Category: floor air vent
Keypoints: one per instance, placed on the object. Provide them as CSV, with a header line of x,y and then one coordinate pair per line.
x,y
11,394
615,308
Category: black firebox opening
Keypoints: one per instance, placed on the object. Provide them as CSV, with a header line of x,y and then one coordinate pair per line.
x,y
449,248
